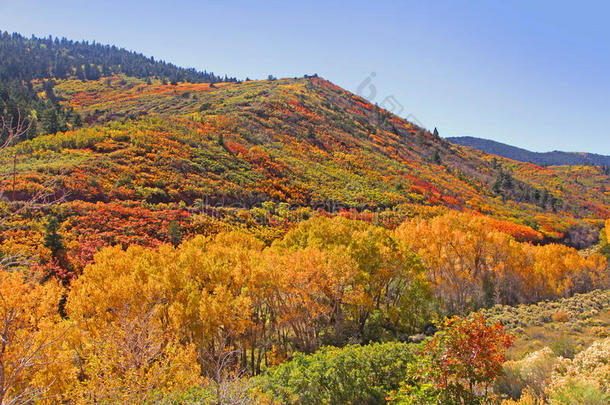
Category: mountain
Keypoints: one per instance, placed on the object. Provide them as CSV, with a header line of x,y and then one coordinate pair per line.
x,y
150,158
542,159
177,241
303,142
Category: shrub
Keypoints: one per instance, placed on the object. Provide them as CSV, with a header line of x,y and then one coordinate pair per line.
x,y
350,375
526,399
578,392
564,346
560,316
580,307
459,364
585,379
531,374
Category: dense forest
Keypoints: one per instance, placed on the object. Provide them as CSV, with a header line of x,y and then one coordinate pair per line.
x,y
23,60
170,237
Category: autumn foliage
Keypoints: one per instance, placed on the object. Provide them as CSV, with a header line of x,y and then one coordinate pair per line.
x,y
458,364
171,316
203,234
472,264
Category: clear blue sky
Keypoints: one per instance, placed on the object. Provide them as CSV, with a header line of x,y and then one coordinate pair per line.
x,y
534,74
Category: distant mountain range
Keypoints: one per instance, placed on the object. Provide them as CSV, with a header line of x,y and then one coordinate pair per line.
x,y
523,155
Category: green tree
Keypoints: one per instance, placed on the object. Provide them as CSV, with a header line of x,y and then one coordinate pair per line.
x,y
52,239
437,158
353,374
175,233
50,121
604,238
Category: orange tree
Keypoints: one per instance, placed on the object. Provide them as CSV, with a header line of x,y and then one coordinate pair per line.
x,y
458,365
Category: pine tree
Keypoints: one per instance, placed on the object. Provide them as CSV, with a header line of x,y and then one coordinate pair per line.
x,y
437,158
52,239
175,233
80,73
49,121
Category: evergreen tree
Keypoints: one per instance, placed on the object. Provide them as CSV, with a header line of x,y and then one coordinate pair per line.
x,y
48,89
175,233
437,158
221,141
80,73
49,121
92,72
52,239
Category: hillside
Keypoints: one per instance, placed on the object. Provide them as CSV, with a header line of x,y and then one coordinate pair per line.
x,y
554,158
210,156
48,59
174,241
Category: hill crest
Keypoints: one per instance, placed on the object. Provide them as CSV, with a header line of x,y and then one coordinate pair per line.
x,y
552,158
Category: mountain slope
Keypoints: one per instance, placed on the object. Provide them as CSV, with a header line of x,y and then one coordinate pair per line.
x,y
230,147
155,162
523,155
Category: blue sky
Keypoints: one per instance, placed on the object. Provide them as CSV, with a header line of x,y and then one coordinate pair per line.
x,y
531,74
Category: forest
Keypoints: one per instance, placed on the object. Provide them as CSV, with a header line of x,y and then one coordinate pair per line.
x,y
50,59
171,237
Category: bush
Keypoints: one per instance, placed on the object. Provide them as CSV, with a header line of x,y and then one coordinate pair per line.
x,y
584,380
580,307
350,375
564,346
560,316
459,364
579,392
531,374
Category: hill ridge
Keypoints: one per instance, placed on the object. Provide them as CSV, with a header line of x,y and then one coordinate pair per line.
x,y
555,157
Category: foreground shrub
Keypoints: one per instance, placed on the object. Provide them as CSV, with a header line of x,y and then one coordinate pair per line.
x,y
578,392
234,391
565,346
351,375
530,375
585,379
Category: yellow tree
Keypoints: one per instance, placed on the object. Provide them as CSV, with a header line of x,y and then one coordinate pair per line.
x,y
306,292
32,363
560,271
133,359
471,263
191,299
211,283
389,282
463,255
124,349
